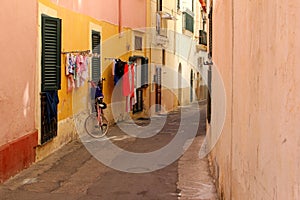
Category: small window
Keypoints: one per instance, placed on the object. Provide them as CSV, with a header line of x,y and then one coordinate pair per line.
x,y
138,43
178,4
159,5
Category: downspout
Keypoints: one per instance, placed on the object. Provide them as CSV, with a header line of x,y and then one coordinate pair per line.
x,y
120,15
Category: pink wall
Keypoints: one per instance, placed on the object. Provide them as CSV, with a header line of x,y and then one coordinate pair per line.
x,y
18,42
263,161
133,11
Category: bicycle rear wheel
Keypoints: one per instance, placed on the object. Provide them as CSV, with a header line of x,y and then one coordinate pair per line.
x,y
93,128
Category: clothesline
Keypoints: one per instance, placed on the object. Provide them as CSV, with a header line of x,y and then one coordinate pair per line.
x,y
85,53
110,58
77,51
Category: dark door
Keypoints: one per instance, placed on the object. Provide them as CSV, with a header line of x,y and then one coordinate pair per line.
x,y
191,86
179,84
158,89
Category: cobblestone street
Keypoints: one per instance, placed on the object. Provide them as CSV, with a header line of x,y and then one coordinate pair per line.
x,y
73,173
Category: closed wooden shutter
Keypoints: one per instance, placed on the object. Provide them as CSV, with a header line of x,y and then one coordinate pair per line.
x,y
96,65
51,53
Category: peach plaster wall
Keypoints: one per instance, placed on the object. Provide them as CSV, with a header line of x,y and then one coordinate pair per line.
x,y
18,23
265,113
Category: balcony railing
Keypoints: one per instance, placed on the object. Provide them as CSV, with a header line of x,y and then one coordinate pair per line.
x,y
202,37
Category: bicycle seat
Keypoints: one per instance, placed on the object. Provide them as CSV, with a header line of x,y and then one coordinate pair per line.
x,y
102,105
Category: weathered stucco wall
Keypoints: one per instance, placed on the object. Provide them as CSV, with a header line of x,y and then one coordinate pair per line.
x,y
133,13
17,72
222,71
262,161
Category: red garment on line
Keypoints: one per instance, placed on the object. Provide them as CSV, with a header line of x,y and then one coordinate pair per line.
x,y
126,84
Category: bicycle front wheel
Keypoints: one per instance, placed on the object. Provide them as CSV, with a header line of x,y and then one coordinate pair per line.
x,y
93,128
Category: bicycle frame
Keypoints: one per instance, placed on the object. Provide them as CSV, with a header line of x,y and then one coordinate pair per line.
x,y
99,113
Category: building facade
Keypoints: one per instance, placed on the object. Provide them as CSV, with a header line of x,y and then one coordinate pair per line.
x,y
178,50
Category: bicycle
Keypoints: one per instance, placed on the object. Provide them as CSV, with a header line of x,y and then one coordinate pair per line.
x,y
96,125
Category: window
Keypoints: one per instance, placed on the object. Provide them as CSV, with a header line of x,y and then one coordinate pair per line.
x,y
164,28
202,37
96,64
178,4
200,62
51,53
193,6
138,43
188,21
159,5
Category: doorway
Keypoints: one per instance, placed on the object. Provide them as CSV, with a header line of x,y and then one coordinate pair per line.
x,y
191,86
158,89
179,84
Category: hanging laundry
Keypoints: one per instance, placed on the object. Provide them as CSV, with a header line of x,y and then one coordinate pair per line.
x,y
119,70
84,72
70,68
125,80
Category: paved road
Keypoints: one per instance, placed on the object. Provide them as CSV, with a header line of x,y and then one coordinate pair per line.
x,y
74,173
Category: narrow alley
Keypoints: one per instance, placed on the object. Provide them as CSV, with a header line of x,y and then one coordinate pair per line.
x,y
201,100
73,173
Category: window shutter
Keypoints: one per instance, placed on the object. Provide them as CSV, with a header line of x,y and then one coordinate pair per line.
x,y
188,22
138,43
96,67
51,53
144,74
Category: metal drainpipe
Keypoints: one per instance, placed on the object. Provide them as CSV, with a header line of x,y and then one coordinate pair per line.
x,y
120,16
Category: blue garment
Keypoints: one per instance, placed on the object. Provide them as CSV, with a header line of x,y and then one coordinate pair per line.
x,y
52,101
119,71
98,92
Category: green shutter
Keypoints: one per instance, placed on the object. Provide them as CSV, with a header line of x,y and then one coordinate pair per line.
x,y
96,67
189,22
51,53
